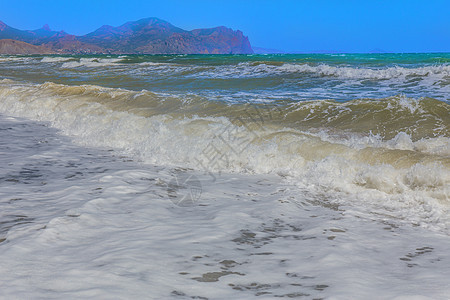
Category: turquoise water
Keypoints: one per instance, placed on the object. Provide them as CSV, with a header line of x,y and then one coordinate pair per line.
x,y
225,177
295,77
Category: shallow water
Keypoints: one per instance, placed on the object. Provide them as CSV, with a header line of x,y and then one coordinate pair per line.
x,y
225,176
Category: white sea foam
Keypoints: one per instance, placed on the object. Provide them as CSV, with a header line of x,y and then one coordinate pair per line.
x,y
298,80
91,63
371,174
438,72
83,223
402,141
150,63
321,211
245,69
53,59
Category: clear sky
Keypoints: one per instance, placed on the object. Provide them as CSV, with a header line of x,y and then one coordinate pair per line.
x,y
290,25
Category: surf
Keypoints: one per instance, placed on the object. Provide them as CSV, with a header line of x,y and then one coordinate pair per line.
x,y
326,147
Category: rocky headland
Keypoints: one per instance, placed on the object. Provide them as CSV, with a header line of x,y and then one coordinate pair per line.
x,y
145,36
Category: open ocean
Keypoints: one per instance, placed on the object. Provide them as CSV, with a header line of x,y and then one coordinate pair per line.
x,y
318,176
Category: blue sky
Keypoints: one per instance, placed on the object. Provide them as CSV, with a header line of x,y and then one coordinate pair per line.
x,y
302,25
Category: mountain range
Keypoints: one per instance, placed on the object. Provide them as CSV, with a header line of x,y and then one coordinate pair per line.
x,y
145,36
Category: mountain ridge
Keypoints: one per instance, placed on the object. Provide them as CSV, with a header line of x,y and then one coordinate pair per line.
x,y
144,36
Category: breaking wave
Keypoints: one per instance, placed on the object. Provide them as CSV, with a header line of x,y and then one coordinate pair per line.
x,y
366,73
55,59
246,69
285,77
251,69
392,153
90,62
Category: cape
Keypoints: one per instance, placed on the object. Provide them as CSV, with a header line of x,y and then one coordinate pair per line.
x,y
145,36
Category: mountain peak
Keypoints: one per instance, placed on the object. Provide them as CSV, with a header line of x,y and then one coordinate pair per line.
x,y
3,26
147,36
149,20
147,23
46,27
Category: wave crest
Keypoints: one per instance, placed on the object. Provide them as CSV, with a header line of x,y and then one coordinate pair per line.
x,y
397,173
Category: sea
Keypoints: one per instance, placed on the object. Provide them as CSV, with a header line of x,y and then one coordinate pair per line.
x,y
312,176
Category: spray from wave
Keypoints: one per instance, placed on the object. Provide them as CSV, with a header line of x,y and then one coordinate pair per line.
x,y
389,154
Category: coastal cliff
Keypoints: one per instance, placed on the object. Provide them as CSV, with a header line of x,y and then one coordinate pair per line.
x,y
145,36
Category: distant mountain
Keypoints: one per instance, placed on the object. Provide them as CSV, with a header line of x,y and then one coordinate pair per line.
x,y
8,46
145,36
7,32
45,34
